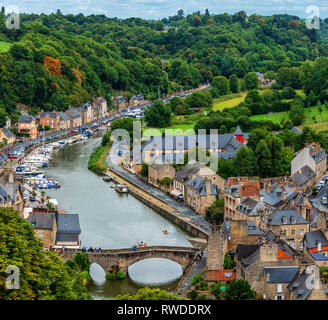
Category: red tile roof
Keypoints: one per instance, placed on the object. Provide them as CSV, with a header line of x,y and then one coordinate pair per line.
x,y
219,275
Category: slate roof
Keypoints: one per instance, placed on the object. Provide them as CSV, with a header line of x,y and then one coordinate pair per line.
x,y
250,207
296,130
318,256
317,156
41,220
303,175
253,229
63,116
26,119
68,223
199,184
287,217
74,113
48,115
67,237
4,196
274,197
7,133
186,171
225,155
313,238
238,131
11,189
299,286
281,274
245,250
225,141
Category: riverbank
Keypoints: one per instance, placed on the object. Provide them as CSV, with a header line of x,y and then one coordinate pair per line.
x,y
159,205
97,161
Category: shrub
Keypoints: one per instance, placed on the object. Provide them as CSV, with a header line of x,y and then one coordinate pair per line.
x,y
82,260
110,276
193,294
196,279
203,285
120,275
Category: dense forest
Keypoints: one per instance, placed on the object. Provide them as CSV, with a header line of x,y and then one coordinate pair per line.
x,y
59,60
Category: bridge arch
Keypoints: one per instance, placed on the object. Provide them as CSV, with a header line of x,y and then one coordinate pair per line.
x,y
123,258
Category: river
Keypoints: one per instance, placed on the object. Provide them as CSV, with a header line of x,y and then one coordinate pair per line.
x,y
112,220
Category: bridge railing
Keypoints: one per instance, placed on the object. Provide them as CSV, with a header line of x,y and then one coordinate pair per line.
x,y
138,249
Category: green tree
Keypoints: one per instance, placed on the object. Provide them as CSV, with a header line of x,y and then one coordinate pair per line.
x,y
158,115
263,156
43,276
251,81
222,84
245,162
239,290
149,294
234,83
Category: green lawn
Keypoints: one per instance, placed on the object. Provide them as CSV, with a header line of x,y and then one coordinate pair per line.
x,y
276,117
228,101
4,46
313,118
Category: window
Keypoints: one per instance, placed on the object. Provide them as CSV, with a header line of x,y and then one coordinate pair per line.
x,y
301,245
302,232
293,232
293,244
40,235
279,298
279,288
319,246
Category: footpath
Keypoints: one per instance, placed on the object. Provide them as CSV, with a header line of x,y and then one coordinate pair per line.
x,y
176,212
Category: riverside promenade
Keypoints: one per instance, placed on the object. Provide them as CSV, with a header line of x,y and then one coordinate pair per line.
x,y
156,197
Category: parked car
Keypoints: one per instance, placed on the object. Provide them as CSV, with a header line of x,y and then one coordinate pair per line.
x,y
324,200
32,198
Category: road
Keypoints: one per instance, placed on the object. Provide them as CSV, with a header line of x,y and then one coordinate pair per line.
x,y
316,200
182,208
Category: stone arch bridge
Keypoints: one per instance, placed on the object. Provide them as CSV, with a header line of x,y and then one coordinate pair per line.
x,y
123,258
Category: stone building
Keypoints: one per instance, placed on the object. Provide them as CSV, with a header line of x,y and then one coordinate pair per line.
x,y
308,285
45,228
200,193
68,230
255,261
291,225
86,113
238,189
74,117
157,172
64,121
304,178
120,102
312,156
7,136
103,109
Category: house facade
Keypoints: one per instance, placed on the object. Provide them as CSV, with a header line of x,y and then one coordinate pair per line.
x,y
28,124
75,117
50,119
312,156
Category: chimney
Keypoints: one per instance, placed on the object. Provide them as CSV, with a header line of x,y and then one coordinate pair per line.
x,y
283,194
269,252
302,211
11,177
308,214
208,186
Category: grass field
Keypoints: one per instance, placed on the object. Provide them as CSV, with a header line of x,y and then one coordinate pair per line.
x,y
4,46
276,117
313,118
228,101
